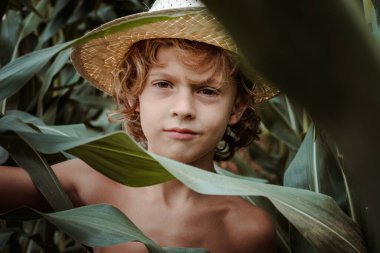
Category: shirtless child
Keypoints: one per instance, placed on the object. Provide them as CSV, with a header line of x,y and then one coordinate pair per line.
x,y
184,98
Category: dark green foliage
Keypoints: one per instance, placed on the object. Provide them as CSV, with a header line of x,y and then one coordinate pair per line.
x,y
35,37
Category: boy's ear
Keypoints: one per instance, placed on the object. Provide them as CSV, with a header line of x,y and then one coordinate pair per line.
x,y
237,112
137,105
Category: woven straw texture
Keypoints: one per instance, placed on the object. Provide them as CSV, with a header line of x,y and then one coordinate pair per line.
x,y
96,59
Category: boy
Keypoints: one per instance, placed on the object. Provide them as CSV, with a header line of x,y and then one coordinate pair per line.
x,y
181,97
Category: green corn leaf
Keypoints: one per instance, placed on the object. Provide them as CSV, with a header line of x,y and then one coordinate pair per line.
x,y
9,30
268,161
14,75
281,230
94,101
317,217
30,23
278,125
370,14
5,234
62,10
292,115
3,155
95,226
322,55
3,8
39,170
139,169
25,117
47,77
244,168
55,139
314,168
222,171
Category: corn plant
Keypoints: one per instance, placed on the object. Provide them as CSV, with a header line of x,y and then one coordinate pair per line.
x,y
50,114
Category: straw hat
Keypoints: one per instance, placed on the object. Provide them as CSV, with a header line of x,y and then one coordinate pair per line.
x,y
106,46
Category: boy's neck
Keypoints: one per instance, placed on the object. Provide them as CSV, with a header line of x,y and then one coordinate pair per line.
x,y
204,164
171,194
174,193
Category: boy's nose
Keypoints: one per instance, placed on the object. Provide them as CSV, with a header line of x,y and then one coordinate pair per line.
x,y
183,106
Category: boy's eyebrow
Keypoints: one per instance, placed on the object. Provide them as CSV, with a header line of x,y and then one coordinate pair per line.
x,y
207,81
159,73
155,73
210,80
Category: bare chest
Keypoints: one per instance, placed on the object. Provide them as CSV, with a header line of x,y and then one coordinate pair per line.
x,y
186,226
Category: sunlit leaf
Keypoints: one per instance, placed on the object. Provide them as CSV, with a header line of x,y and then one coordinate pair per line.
x,y
143,169
316,216
222,171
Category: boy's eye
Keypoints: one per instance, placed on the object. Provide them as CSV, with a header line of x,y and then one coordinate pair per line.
x,y
162,84
208,91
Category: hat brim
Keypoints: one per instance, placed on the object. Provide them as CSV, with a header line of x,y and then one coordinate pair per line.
x,y
101,51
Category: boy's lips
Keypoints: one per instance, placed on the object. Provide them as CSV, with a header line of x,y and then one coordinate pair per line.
x,y
180,133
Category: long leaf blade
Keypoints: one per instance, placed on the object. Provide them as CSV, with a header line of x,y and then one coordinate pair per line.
x,y
332,230
316,216
95,226
14,75
304,209
39,170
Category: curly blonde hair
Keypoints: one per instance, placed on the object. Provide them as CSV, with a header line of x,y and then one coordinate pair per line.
x,y
131,75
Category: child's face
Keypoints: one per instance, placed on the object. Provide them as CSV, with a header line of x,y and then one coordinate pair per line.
x,y
183,112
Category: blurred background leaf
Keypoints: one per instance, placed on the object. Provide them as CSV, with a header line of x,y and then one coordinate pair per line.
x,y
323,55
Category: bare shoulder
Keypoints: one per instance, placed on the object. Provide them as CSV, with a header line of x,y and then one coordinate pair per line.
x,y
71,171
78,179
250,228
